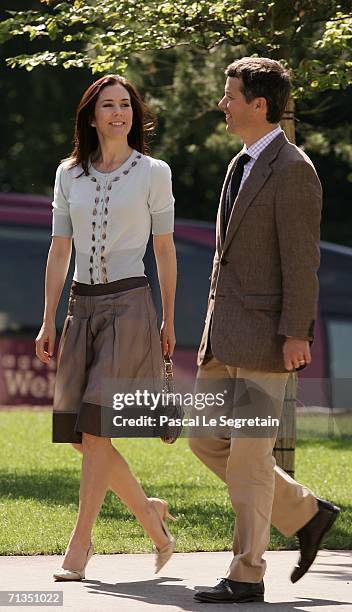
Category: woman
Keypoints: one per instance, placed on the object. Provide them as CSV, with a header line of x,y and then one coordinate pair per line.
x,y
108,196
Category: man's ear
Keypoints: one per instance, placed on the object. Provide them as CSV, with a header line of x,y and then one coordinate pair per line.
x,y
261,103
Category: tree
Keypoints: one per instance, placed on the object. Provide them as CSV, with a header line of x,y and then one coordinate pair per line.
x,y
195,39
103,34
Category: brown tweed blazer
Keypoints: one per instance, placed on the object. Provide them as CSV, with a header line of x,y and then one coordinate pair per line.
x,y
264,282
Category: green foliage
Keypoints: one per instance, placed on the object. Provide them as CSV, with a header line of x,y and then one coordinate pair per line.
x,y
103,35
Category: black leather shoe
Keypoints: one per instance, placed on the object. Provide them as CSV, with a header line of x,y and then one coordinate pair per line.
x,y
232,591
312,534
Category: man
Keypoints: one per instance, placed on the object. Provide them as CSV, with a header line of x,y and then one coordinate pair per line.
x,y
260,321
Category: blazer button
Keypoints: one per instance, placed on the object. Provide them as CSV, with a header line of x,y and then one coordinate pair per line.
x,y
223,261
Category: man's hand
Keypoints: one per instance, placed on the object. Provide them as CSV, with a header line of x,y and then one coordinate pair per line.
x,y
296,353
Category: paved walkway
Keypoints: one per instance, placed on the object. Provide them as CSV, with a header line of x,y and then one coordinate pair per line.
x,y
126,583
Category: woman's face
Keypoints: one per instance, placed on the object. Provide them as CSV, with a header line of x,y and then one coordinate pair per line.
x,y
113,113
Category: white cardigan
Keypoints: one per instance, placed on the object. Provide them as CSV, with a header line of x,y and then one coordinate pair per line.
x,y
110,215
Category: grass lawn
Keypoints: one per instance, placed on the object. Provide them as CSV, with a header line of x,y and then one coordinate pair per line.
x,y
39,484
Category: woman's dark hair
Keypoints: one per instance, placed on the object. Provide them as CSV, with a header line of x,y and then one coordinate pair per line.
x,y
263,78
86,138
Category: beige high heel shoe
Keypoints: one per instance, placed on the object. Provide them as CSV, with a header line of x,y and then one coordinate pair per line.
x,y
163,555
65,574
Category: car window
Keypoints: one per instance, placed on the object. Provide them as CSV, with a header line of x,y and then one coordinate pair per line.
x,y
23,255
194,264
335,275
339,332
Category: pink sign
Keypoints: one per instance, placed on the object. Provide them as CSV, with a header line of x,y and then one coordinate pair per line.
x,y
23,378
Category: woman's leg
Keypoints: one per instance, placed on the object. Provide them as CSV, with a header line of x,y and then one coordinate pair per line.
x,y
93,487
107,469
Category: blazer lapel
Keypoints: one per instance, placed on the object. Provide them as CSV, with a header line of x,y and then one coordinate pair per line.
x,y
258,176
223,197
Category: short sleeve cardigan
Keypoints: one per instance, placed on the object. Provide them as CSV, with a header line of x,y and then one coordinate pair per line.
x,y
110,215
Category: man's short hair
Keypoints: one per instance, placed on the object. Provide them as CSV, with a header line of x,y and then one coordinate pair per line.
x,y
263,78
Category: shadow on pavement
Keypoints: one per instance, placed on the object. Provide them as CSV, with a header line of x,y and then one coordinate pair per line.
x,y
160,594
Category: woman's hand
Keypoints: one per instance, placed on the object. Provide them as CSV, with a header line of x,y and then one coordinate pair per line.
x,y
167,337
45,342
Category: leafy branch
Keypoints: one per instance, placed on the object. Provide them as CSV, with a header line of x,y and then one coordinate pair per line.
x,y
102,35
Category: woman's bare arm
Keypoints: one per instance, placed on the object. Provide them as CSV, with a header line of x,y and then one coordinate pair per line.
x,y
165,255
56,271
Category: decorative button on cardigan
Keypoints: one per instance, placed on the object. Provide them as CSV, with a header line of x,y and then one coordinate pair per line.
x,y
110,215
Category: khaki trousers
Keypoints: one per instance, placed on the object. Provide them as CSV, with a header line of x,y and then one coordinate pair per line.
x,y
261,493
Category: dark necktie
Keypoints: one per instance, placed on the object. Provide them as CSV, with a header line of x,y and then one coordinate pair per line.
x,y
234,185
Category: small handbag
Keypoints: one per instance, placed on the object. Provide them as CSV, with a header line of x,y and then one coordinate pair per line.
x,y
172,410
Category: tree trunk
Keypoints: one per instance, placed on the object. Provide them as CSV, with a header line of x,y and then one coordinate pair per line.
x,y
284,449
288,122
285,445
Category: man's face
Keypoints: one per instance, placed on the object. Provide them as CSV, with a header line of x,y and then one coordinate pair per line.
x,y
239,113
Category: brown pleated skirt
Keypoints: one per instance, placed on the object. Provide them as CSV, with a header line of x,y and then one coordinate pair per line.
x,y
106,337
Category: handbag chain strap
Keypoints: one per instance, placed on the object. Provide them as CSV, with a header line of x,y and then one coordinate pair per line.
x,y
168,374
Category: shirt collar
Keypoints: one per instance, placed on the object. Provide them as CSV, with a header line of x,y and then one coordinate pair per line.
x,y
258,147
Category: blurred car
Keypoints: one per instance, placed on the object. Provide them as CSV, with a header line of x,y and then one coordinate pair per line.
x,y
25,235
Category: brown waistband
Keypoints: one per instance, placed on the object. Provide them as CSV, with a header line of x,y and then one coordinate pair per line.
x,y
124,284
